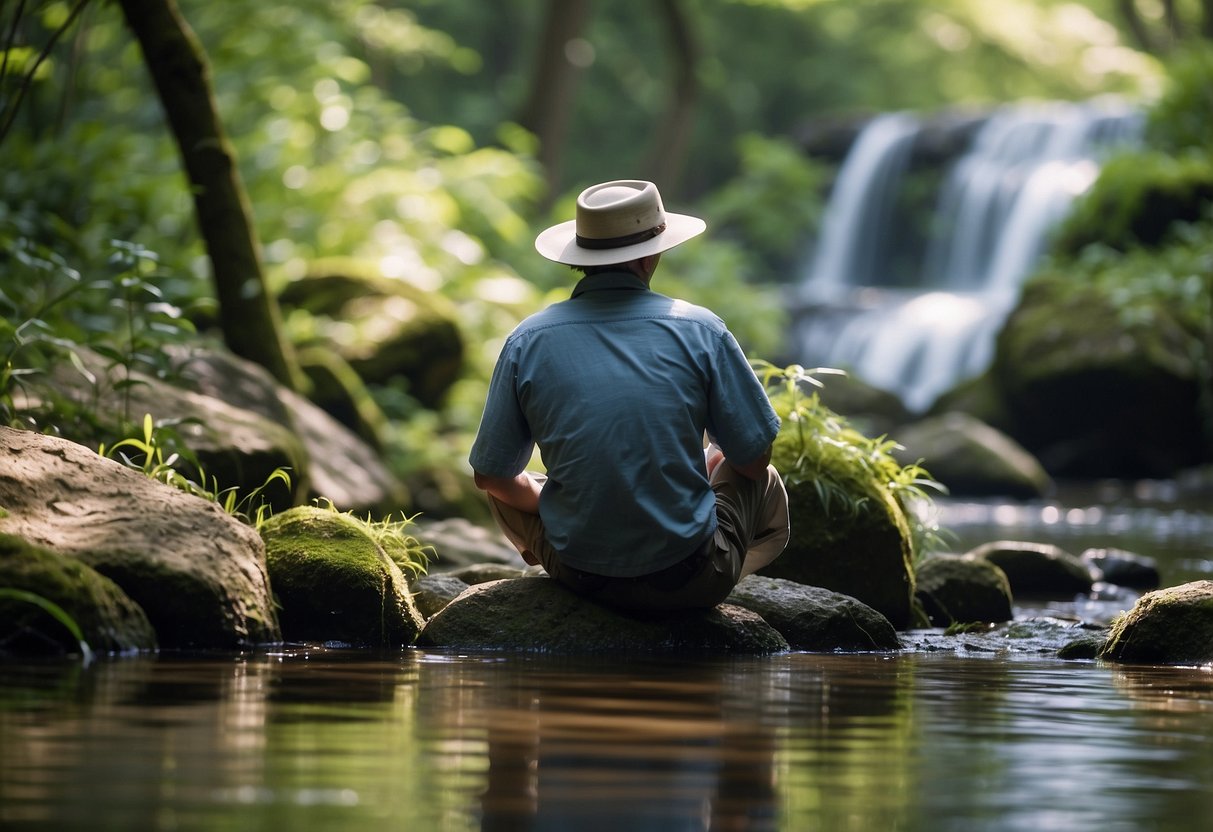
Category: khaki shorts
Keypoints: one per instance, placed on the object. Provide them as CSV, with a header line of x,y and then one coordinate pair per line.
x,y
752,529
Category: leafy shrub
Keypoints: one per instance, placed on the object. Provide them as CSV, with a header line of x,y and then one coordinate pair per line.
x,y
846,468
1183,118
1137,199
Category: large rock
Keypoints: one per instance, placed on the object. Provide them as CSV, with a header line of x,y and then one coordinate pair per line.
x,y
198,573
385,329
334,583
539,615
459,543
971,458
341,466
864,554
234,446
109,621
238,422
1093,393
1038,570
962,590
815,619
1167,626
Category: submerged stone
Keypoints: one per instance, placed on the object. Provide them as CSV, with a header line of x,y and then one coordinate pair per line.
x,y
815,619
539,615
1167,626
334,583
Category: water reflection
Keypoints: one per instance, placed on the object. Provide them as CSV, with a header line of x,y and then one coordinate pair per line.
x,y
339,740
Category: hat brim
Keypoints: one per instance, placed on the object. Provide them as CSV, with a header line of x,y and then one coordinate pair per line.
x,y
559,243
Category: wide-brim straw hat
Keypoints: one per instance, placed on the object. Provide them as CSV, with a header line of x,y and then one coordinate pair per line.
x,y
616,222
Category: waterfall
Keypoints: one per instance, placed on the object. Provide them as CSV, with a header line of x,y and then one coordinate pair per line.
x,y
910,297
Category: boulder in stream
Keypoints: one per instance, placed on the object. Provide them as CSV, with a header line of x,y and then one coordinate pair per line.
x,y
335,583
971,458
1167,626
198,573
815,619
1038,570
955,589
537,614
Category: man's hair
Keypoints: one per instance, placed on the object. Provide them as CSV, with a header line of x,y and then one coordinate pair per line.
x,y
625,266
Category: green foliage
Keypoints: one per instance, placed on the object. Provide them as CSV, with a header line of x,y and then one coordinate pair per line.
x,y
772,206
1137,199
392,536
1182,120
846,468
54,611
160,454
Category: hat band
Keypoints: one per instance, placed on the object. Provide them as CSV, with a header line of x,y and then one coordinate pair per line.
x,y
620,242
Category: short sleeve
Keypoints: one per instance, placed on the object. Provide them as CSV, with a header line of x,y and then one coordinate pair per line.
x,y
503,444
740,417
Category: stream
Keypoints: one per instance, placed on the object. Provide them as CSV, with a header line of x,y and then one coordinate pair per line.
x,y
946,738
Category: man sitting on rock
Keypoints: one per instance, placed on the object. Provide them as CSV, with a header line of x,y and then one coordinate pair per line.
x,y
617,386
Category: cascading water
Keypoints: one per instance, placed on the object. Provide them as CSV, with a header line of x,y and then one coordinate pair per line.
x,y
915,319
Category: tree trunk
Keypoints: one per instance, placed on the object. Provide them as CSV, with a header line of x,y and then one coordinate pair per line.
x,y
1135,25
249,317
549,106
668,155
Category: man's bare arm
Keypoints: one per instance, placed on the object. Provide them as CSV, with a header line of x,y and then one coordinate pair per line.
x,y
520,492
753,470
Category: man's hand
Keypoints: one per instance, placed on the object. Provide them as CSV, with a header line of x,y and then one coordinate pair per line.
x,y
520,492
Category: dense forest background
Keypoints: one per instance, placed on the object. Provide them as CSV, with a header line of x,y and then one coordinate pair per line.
x,y
426,142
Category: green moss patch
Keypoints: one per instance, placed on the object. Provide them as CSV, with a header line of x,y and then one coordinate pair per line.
x,y
108,620
334,583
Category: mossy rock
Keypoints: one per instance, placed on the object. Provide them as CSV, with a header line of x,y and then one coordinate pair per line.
x,y
334,583
385,329
196,571
863,552
962,590
539,615
1037,570
109,621
971,458
1092,394
341,393
1137,200
1167,626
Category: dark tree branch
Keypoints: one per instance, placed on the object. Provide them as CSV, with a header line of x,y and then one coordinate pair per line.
x,y
10,108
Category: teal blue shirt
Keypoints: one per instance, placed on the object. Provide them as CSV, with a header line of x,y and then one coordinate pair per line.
x,y
616,386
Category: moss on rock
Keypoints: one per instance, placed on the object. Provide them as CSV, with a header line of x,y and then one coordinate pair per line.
x,y
333,582
1167,626
863,552
108,619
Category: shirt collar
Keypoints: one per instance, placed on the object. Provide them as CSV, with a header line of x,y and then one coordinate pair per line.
x,y
608,280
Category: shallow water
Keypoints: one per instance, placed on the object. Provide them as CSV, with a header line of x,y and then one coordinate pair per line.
x,y
343,740
946,738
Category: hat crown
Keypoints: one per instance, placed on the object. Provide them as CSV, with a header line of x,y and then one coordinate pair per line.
x,y
619,209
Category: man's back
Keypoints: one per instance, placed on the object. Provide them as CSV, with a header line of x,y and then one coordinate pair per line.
x,y
616,386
